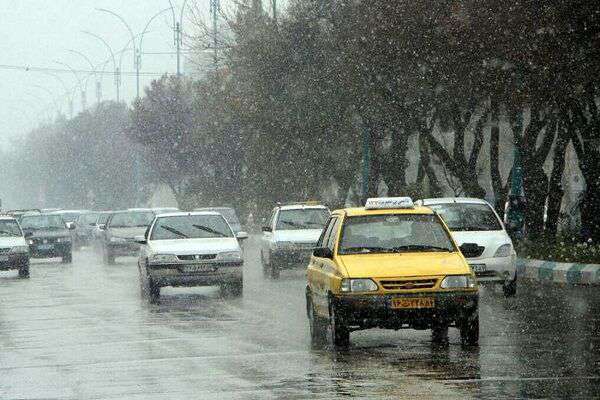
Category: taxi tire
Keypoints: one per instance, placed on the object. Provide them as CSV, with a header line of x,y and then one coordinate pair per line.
x,y
439,333
338,334
317,326
469,330
67,258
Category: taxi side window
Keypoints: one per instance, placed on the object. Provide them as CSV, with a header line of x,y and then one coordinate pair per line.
x,y
325,234
332,233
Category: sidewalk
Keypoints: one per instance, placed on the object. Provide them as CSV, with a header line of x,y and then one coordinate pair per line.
x,y
554,272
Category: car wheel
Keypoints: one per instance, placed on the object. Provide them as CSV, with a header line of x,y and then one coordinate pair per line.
x,y
439,333
24,271
510,288
338,334
234,289
469,330
316,325
265,266
154,291
67,258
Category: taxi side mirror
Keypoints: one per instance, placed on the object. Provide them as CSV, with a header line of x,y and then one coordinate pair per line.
x,y
470,250
141,240
323,252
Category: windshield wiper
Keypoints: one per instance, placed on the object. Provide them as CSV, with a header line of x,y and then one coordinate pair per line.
x,y
174,231
291,223
209,230
419,247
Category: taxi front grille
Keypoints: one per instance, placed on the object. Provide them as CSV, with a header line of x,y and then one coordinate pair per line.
x,y
408,284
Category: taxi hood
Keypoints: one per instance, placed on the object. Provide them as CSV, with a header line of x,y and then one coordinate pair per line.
x,y
298,235
398,265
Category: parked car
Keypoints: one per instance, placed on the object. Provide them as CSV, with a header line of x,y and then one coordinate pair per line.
x,y
14,251
48,236
119,233
475,221
290,236
191,249
229,214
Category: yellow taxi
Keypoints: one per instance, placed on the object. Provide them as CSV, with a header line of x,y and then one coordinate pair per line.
x,y
389,265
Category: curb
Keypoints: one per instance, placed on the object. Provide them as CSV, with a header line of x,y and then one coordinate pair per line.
x,y
555,272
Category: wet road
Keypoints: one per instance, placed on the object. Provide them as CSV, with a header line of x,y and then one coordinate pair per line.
x,y
83,331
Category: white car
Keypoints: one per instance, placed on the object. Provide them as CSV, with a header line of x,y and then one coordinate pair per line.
x,y
191,249
475,221
290,237
14,251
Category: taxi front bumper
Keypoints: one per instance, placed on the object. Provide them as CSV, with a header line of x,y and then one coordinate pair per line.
x,y
179,274
377,311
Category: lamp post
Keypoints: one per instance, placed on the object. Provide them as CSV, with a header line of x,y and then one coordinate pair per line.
x,y
81,87
178,30
68,92
112,54
93,67
136,60
141,35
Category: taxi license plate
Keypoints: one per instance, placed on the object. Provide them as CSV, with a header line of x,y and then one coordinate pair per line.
x,y
414,302
478,268
199,268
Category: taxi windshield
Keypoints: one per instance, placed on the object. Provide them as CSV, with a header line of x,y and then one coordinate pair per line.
x,y
308,218
9,228
394,233
191,227
468,217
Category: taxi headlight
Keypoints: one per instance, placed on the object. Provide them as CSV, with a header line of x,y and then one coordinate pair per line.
x,y
20,249
458,281
358,285
230,255
504,250
163,258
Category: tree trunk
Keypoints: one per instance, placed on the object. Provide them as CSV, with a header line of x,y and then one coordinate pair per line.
x,y
394,169
500,188
555,189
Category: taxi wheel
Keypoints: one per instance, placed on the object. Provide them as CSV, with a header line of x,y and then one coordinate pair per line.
x,y
338,334
469,330
317,326
439,333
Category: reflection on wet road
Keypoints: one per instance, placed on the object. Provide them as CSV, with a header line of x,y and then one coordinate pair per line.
x,y
83,331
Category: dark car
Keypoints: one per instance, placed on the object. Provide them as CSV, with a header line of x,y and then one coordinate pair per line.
x,y
119,233
48,236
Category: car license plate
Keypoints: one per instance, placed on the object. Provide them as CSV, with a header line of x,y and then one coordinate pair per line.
x,y
199,268
478,268
413,302
3,258
45,246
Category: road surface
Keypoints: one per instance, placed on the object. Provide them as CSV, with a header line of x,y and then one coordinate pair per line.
x,y
83,331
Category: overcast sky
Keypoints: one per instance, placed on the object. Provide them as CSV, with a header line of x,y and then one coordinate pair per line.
x,y
36,33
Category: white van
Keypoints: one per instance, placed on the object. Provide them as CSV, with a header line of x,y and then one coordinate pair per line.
x,y
475,221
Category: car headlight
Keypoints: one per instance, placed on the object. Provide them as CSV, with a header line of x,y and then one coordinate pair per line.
x,y
458,281
163,258
63,240
30,241
230,255
20,249
358,285
504,251
115,239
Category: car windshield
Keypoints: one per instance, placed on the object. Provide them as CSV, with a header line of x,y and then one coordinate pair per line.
x,y
394,233
43,222
132,219
468,217
191,227
87,219
308,218
230,217
9,228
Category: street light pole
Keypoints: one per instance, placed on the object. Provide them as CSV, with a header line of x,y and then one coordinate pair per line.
x,y
81,87
68,92
93,67
112,54
178,29
136,55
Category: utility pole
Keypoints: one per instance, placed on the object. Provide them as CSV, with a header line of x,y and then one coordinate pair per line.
x,y
215,9
274,7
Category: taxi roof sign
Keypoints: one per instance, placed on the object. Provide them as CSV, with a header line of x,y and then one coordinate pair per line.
x,y
383,203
